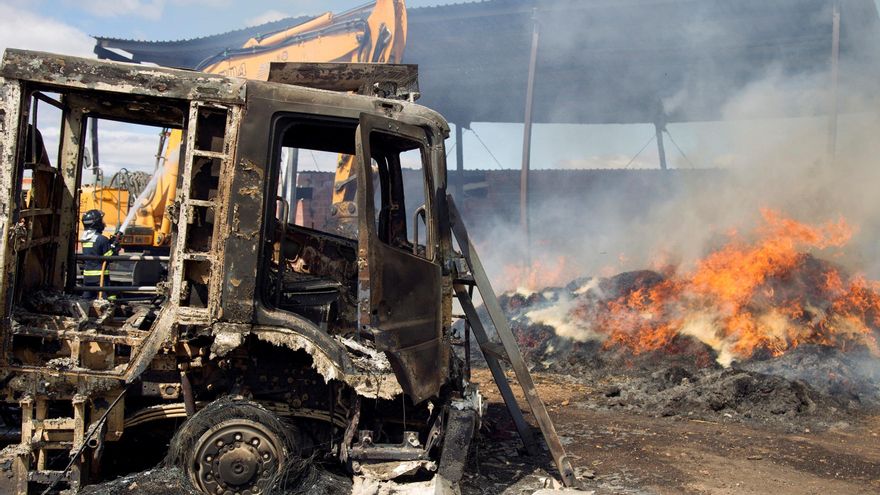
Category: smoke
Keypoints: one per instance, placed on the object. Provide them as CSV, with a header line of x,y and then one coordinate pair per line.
x,y
753,136
769,147
670,220
557,316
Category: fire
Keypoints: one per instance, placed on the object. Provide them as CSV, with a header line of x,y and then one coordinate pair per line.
x,y
539,273
768,295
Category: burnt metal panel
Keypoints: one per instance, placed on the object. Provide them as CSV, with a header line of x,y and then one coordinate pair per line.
x,y
460,427
357,77
83,73
10,120
244,213
72,131
400,300
132,108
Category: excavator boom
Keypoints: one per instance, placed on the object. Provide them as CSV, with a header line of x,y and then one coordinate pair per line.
x,y
372,33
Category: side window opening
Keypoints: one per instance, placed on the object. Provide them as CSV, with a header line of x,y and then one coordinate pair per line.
x,y
416,187
120,178
401,201
309,257
310,254
116,159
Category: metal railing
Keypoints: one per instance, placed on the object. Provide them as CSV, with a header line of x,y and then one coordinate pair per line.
x,y
121,257
139,289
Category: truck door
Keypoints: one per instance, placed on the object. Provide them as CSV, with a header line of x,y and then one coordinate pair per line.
x,y
399,277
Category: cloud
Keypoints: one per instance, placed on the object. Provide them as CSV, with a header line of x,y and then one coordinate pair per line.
x,y
120,145
130,146
21,28
268,16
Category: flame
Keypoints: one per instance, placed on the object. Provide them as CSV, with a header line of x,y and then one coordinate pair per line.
x,y
767,295
539,273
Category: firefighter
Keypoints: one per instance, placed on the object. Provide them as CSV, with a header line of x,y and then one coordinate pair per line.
x,y
95,243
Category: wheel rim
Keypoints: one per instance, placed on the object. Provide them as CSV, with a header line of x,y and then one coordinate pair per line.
x,y
236,457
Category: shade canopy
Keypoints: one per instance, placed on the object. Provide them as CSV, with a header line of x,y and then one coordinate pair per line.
x,y
604,61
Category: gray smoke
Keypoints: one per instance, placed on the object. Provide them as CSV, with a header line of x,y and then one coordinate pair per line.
x,y
767,149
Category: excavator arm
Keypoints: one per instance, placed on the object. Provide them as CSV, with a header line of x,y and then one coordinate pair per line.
x,y
373,33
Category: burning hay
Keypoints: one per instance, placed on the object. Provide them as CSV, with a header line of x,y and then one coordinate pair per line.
x,y
762,327
744,299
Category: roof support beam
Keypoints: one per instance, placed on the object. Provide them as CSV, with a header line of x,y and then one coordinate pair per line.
x,y
459,161
661,149
527,142
835,75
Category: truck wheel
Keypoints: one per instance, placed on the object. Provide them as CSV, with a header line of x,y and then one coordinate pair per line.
x,y
235,446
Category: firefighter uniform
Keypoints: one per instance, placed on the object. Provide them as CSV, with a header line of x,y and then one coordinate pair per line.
x,y
95,243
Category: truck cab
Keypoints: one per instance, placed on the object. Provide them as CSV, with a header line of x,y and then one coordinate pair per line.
x,y
268,340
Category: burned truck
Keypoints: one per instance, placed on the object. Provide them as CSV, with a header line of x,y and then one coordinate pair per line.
x,y
267,343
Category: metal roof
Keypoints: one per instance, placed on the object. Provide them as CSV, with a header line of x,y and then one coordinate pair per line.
x,y
188,53
601,61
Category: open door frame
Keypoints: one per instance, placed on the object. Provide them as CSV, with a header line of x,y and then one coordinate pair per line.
x,y
400,295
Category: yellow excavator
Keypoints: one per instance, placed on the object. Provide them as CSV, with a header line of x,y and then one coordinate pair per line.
x,y
372,33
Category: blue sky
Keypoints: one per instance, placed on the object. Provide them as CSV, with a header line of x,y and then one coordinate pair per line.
x,y
65,26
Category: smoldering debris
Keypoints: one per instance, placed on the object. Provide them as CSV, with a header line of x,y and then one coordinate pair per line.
x,y
851,378
721,395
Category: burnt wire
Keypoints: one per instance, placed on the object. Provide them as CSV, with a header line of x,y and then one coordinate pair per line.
x,y
451,148
633,159
486,147
679,149
315,159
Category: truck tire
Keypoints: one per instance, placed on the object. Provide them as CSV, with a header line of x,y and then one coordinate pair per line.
x,y
236,446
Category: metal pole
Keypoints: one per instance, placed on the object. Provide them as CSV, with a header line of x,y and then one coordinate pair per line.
x,y
527,141
121,257
144,289
292,168
94,135
835,75
459,161
661,149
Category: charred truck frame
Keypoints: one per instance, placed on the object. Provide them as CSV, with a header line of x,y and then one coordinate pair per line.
x,y
268,342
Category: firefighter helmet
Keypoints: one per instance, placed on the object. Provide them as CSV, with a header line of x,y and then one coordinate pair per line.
x,y
93,219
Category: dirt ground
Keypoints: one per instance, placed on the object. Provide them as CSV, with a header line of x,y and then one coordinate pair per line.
x,y
623,452
622,441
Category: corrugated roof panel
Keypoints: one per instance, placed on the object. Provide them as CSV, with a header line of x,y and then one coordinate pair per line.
x,y
602,61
